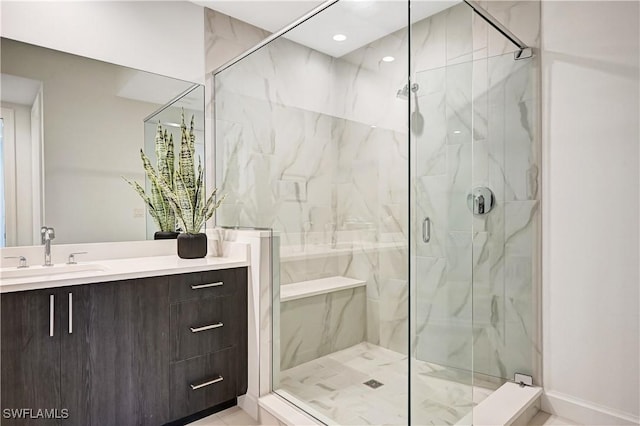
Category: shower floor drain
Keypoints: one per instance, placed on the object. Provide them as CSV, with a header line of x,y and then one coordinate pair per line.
x,y
373,384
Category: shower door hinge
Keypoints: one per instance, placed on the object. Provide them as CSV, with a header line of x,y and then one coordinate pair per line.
x,y
525,53
523,380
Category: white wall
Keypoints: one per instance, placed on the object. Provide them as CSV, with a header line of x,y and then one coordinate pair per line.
x,y
164,37
591,210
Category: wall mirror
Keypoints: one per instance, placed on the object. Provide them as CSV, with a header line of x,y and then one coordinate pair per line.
x,y
71,128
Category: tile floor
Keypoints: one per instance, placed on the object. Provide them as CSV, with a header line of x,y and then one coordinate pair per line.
x,y
333,387
233,416
236,417
546,419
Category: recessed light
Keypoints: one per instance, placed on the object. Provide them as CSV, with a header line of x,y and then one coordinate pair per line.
x,y
388,59
373,126
339,37
456,132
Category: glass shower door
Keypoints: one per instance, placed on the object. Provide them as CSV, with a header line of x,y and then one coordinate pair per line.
x,y
441,129
505,242
474,216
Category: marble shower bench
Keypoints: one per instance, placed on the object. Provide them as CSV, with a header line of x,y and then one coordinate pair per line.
x,y
310,288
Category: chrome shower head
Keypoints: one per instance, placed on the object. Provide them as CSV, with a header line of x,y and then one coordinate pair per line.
x,y
404,92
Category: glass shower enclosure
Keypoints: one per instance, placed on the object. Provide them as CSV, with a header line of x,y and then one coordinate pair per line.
x,y
392,146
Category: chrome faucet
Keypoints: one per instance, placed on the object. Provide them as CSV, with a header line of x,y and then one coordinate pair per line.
x,y
46,235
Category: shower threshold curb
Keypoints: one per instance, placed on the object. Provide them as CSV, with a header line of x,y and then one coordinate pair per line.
x,y
505,406
285,411
510,404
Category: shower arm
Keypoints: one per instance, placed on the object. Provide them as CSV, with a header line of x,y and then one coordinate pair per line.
x,y
524,52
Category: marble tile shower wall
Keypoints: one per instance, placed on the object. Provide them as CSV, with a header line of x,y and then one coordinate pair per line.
x,y
295,151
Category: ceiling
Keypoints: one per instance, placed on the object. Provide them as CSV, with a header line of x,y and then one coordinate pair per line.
x,y
266,14
361,21
19,90
156,89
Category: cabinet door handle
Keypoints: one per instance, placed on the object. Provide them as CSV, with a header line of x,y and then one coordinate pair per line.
x,y
70,313
198,287
206,327
210,382
51,313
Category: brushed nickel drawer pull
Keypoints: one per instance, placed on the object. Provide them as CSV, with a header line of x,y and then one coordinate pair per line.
x,y
210,382
51,314
198,287
70,313
206,327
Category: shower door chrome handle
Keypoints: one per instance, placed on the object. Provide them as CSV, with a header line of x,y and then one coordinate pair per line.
x,y
426,230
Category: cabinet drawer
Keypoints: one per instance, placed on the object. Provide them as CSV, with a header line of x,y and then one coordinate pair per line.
x,y
202,326
202,284
202,382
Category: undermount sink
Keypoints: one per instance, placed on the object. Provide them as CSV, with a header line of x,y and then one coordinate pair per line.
x,y
36,271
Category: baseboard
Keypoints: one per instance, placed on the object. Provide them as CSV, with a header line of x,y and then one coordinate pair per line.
x,y
202,414
583,412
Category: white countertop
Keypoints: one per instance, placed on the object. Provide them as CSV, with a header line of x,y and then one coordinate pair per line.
x,y
124,269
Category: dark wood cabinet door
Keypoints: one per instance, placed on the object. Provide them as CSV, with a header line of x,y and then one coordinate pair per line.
x,y
30,357
115,367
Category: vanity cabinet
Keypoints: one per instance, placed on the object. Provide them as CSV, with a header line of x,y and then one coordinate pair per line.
x,y
115,349
130,352
208,339
29,355
100,351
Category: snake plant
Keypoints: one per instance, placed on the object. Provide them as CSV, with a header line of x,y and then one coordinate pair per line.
x,y
157,203
186,193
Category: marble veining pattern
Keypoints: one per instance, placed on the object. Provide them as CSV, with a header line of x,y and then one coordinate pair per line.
x,y
495,254
316,148
333,386
227,37
318,325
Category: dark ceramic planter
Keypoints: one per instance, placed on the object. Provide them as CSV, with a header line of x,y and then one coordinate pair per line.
x,y
192,246
162,235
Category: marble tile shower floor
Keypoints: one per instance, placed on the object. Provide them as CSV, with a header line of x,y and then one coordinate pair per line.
x,y
332,388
